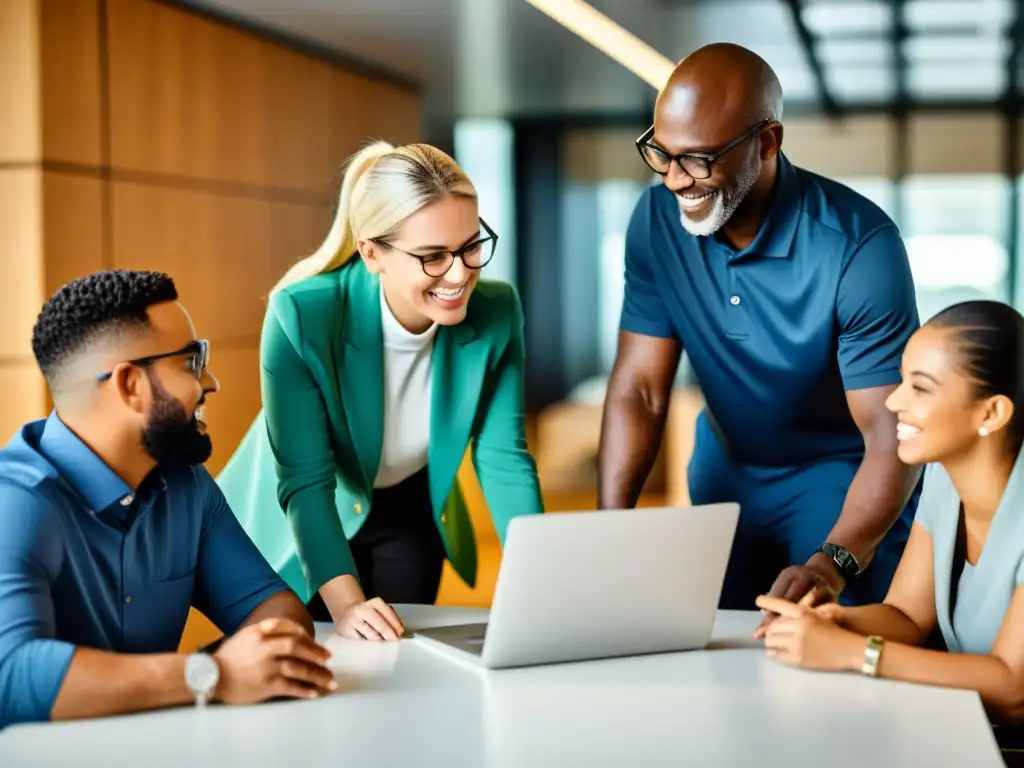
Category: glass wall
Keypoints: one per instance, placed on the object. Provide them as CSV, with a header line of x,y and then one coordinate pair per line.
x,y
956,228
484,150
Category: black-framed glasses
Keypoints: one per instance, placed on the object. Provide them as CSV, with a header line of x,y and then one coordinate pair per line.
x,y
199,350
474,255
696,165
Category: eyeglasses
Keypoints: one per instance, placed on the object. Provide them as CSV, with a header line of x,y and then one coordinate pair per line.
x,y
474,255
198,349
696,166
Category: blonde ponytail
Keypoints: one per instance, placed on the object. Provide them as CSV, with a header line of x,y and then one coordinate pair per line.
x,y
382,187
340,244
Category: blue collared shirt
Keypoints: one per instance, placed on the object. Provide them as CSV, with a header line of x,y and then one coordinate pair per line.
x,y
85,560
821,302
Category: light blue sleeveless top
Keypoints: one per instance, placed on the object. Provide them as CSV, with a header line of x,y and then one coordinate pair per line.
x,y
986,588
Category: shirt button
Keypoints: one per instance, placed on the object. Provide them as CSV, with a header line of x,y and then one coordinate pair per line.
x,y
127,598
444,519
358,508
127,500
734,300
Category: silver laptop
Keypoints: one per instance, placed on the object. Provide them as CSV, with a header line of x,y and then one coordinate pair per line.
x,y
589,585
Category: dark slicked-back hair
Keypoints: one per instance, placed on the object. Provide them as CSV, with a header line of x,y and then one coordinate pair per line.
x,y
89,308
988,341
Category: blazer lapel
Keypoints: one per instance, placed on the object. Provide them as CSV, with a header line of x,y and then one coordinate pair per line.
x,y
362,373
460,365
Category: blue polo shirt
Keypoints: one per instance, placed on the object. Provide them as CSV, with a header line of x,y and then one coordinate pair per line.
x,y
821,302
85,560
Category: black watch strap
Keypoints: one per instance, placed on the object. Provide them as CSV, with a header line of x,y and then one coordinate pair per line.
x,y
211,648
843,559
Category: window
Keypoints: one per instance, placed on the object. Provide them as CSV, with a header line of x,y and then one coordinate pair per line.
x,y
955,228
484,150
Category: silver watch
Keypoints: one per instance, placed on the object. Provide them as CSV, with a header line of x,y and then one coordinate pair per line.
x,y
202,673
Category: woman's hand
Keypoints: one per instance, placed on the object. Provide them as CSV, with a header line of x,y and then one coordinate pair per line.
x,y
812,638
369,620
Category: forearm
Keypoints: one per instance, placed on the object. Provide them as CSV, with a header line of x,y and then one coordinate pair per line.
x,y
341,592
886,621
876,498
631,433
283,605
1000,688
98,684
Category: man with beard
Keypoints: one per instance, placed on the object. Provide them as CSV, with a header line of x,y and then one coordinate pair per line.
x,y
793,298
110,527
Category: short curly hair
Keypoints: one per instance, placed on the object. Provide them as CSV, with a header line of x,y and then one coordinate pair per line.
x,y
88,308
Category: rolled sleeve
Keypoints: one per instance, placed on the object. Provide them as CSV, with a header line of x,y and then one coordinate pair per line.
x,y
876,309
232,578
33,663
643,309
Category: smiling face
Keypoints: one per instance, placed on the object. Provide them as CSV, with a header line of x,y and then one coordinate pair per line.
x,y
423,244
938,407
685,123
174,430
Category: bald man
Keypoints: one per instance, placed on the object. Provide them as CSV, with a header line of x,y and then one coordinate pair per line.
x,y
793,298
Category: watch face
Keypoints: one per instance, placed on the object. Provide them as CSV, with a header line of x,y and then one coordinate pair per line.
x,y
844,559
201,673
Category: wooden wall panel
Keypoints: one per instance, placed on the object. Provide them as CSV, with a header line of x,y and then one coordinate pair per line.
x,y
19,81
21,291
191,97
24,394
230,412
593,155
73,232
854,146
70,77
295,232
184,100
955,143
341,112
224,253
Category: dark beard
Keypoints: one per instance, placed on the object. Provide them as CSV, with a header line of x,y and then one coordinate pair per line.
x,y
171,436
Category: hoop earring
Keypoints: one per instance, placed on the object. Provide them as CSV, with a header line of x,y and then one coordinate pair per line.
x,y
983,431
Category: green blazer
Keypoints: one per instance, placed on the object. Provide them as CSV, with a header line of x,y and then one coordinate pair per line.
x,y
301,481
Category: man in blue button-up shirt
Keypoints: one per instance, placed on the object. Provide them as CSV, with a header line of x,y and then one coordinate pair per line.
x,y
793,297
110,527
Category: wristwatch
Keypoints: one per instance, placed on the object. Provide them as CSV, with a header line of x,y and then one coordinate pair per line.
x,y
843,559
202,673
872,654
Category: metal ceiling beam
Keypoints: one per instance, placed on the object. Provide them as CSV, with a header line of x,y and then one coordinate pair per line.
x,y
900,33
967,32
640,118
1013,61
1012,141
828,104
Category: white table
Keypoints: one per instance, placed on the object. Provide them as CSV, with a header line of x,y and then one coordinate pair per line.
x,y
404,704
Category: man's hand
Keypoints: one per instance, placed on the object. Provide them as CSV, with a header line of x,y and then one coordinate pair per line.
x,y
272,658
370,620
812,584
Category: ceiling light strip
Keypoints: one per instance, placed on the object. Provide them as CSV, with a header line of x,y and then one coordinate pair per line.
x,y
607,36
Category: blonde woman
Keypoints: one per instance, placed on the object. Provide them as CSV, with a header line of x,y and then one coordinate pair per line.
x,y
383,357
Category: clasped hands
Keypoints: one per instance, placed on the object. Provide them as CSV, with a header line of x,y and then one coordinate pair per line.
x,y
803,625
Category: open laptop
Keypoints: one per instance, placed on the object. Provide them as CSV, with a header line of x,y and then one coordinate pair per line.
x,y
589,585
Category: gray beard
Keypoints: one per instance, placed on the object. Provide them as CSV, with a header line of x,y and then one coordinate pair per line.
x,y
725,204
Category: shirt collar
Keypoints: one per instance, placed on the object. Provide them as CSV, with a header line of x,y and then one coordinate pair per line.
x,y
775,237
98,484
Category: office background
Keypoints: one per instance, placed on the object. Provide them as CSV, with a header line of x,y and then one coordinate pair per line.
x,y
206,139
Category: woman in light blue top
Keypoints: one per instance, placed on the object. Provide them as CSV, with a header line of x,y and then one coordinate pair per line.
x,y
961,412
